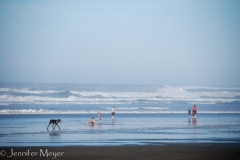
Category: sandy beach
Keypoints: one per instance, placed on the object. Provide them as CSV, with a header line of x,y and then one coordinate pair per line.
x,y
169,151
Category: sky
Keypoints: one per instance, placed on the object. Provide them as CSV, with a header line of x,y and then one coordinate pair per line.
x,y
142,42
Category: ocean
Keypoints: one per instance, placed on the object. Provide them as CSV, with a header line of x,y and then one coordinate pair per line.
x,y
144,114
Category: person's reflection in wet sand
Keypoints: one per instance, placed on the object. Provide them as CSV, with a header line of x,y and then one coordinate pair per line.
x,y
113,123
99,126
194,121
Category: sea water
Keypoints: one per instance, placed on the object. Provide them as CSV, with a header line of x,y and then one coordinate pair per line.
x,y
144,114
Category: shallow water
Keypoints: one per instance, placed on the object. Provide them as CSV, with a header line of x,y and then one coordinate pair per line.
x,y
125,129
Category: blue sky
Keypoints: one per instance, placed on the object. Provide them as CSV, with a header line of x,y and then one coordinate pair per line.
x,y
121,42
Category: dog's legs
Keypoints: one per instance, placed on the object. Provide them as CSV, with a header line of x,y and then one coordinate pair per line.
x,y
54,126
58,127
48,125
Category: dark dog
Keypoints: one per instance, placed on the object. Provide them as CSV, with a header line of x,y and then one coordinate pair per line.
x,y
54,123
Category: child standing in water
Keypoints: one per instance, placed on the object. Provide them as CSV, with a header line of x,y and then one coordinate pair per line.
x,y
113,112
99,117
189,112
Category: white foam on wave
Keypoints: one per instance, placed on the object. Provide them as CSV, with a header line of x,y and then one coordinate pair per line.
x,y
154,107
28,91
124,108
41,111
202,102
52,100
4,104
152,95
177,93
92,94
4,89
9,99
135,108
211,88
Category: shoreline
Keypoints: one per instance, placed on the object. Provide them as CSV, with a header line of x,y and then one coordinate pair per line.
x,y
164,151
125,130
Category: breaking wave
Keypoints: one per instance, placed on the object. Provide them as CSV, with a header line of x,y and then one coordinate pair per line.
x,y
101,95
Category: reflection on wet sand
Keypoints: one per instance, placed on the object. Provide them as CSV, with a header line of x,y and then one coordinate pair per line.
x,y
54,133
194,121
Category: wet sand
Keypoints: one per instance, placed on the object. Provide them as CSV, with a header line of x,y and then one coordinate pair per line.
x,y
168,151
